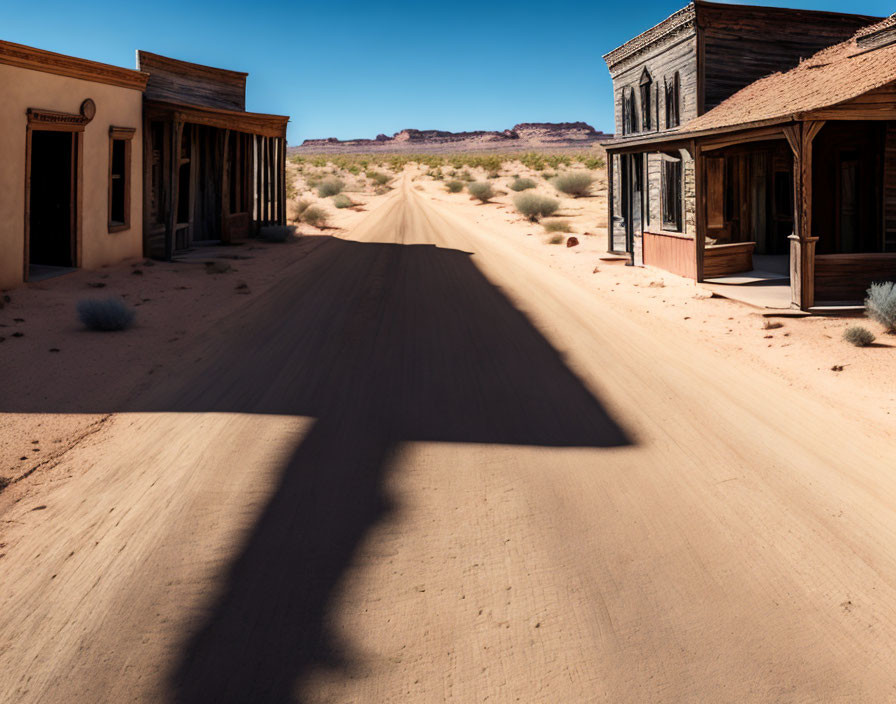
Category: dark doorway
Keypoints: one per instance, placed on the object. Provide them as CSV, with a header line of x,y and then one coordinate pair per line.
x,y
51,231
847,185
632,203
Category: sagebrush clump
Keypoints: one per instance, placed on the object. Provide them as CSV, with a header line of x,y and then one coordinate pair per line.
x,y
454,186
378,177
858,336
556,226
880,305
106,315
481,190
521,184
330,187
277,233
342,201
573,183
534,206
315,216
556,239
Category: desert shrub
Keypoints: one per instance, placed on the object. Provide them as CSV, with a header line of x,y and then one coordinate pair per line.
x,y
534,206
573,183
594,162
481,190
465,175
105,314
277,233
522,184
556,226
342,201
295,208
880,305
315,216
493,174
378,177
858,336
330,187
454,186
556,239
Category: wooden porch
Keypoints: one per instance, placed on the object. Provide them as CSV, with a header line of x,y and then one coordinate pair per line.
x,y
211,176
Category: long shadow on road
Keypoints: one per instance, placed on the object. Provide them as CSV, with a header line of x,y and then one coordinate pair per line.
x,y
382,344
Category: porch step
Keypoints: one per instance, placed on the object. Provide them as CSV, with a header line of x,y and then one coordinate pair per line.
x,y
838,308
747,278
610,258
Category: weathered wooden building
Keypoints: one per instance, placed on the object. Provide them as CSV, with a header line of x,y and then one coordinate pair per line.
x,y
758,138
212,171
69,195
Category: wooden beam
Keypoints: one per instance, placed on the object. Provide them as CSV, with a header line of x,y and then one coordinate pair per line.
x,y
177,128
256,189
802,242
700,193
611,196
282,169
225,186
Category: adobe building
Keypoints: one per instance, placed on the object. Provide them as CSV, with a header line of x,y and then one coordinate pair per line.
x,y
99,164
757,148
70,167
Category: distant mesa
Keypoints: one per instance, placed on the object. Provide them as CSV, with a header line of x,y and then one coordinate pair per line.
x,y
526,135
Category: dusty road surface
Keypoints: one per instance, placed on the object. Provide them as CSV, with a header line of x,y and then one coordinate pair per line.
x,y
426,468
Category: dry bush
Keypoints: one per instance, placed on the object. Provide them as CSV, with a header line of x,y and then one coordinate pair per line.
x,y
556,239
521,184
106,315
342,201
556,226
315,216
378,177
454,186
481,191
573,183
330,187
277,233
880,305
534,206
858,336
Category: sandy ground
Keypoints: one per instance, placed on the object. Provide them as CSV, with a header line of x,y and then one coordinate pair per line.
x,y
48,355
801,351
423,466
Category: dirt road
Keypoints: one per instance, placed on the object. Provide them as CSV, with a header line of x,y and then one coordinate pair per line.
x,y
426,468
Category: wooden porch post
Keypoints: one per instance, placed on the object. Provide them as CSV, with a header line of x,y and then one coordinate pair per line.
x,y
174,187
225,185
610,201
282,169
256,142
700,215
802,243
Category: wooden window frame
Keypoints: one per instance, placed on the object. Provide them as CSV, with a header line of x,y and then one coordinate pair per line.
x,y
645,86
673,100
675,223
126,135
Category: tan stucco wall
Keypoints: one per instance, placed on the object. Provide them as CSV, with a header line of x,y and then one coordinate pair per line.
x,y
122,107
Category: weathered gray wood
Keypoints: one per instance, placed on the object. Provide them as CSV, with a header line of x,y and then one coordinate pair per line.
x,y
174,187
743,43
183,82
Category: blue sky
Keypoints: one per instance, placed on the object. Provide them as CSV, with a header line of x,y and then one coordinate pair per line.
x,y
355,69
